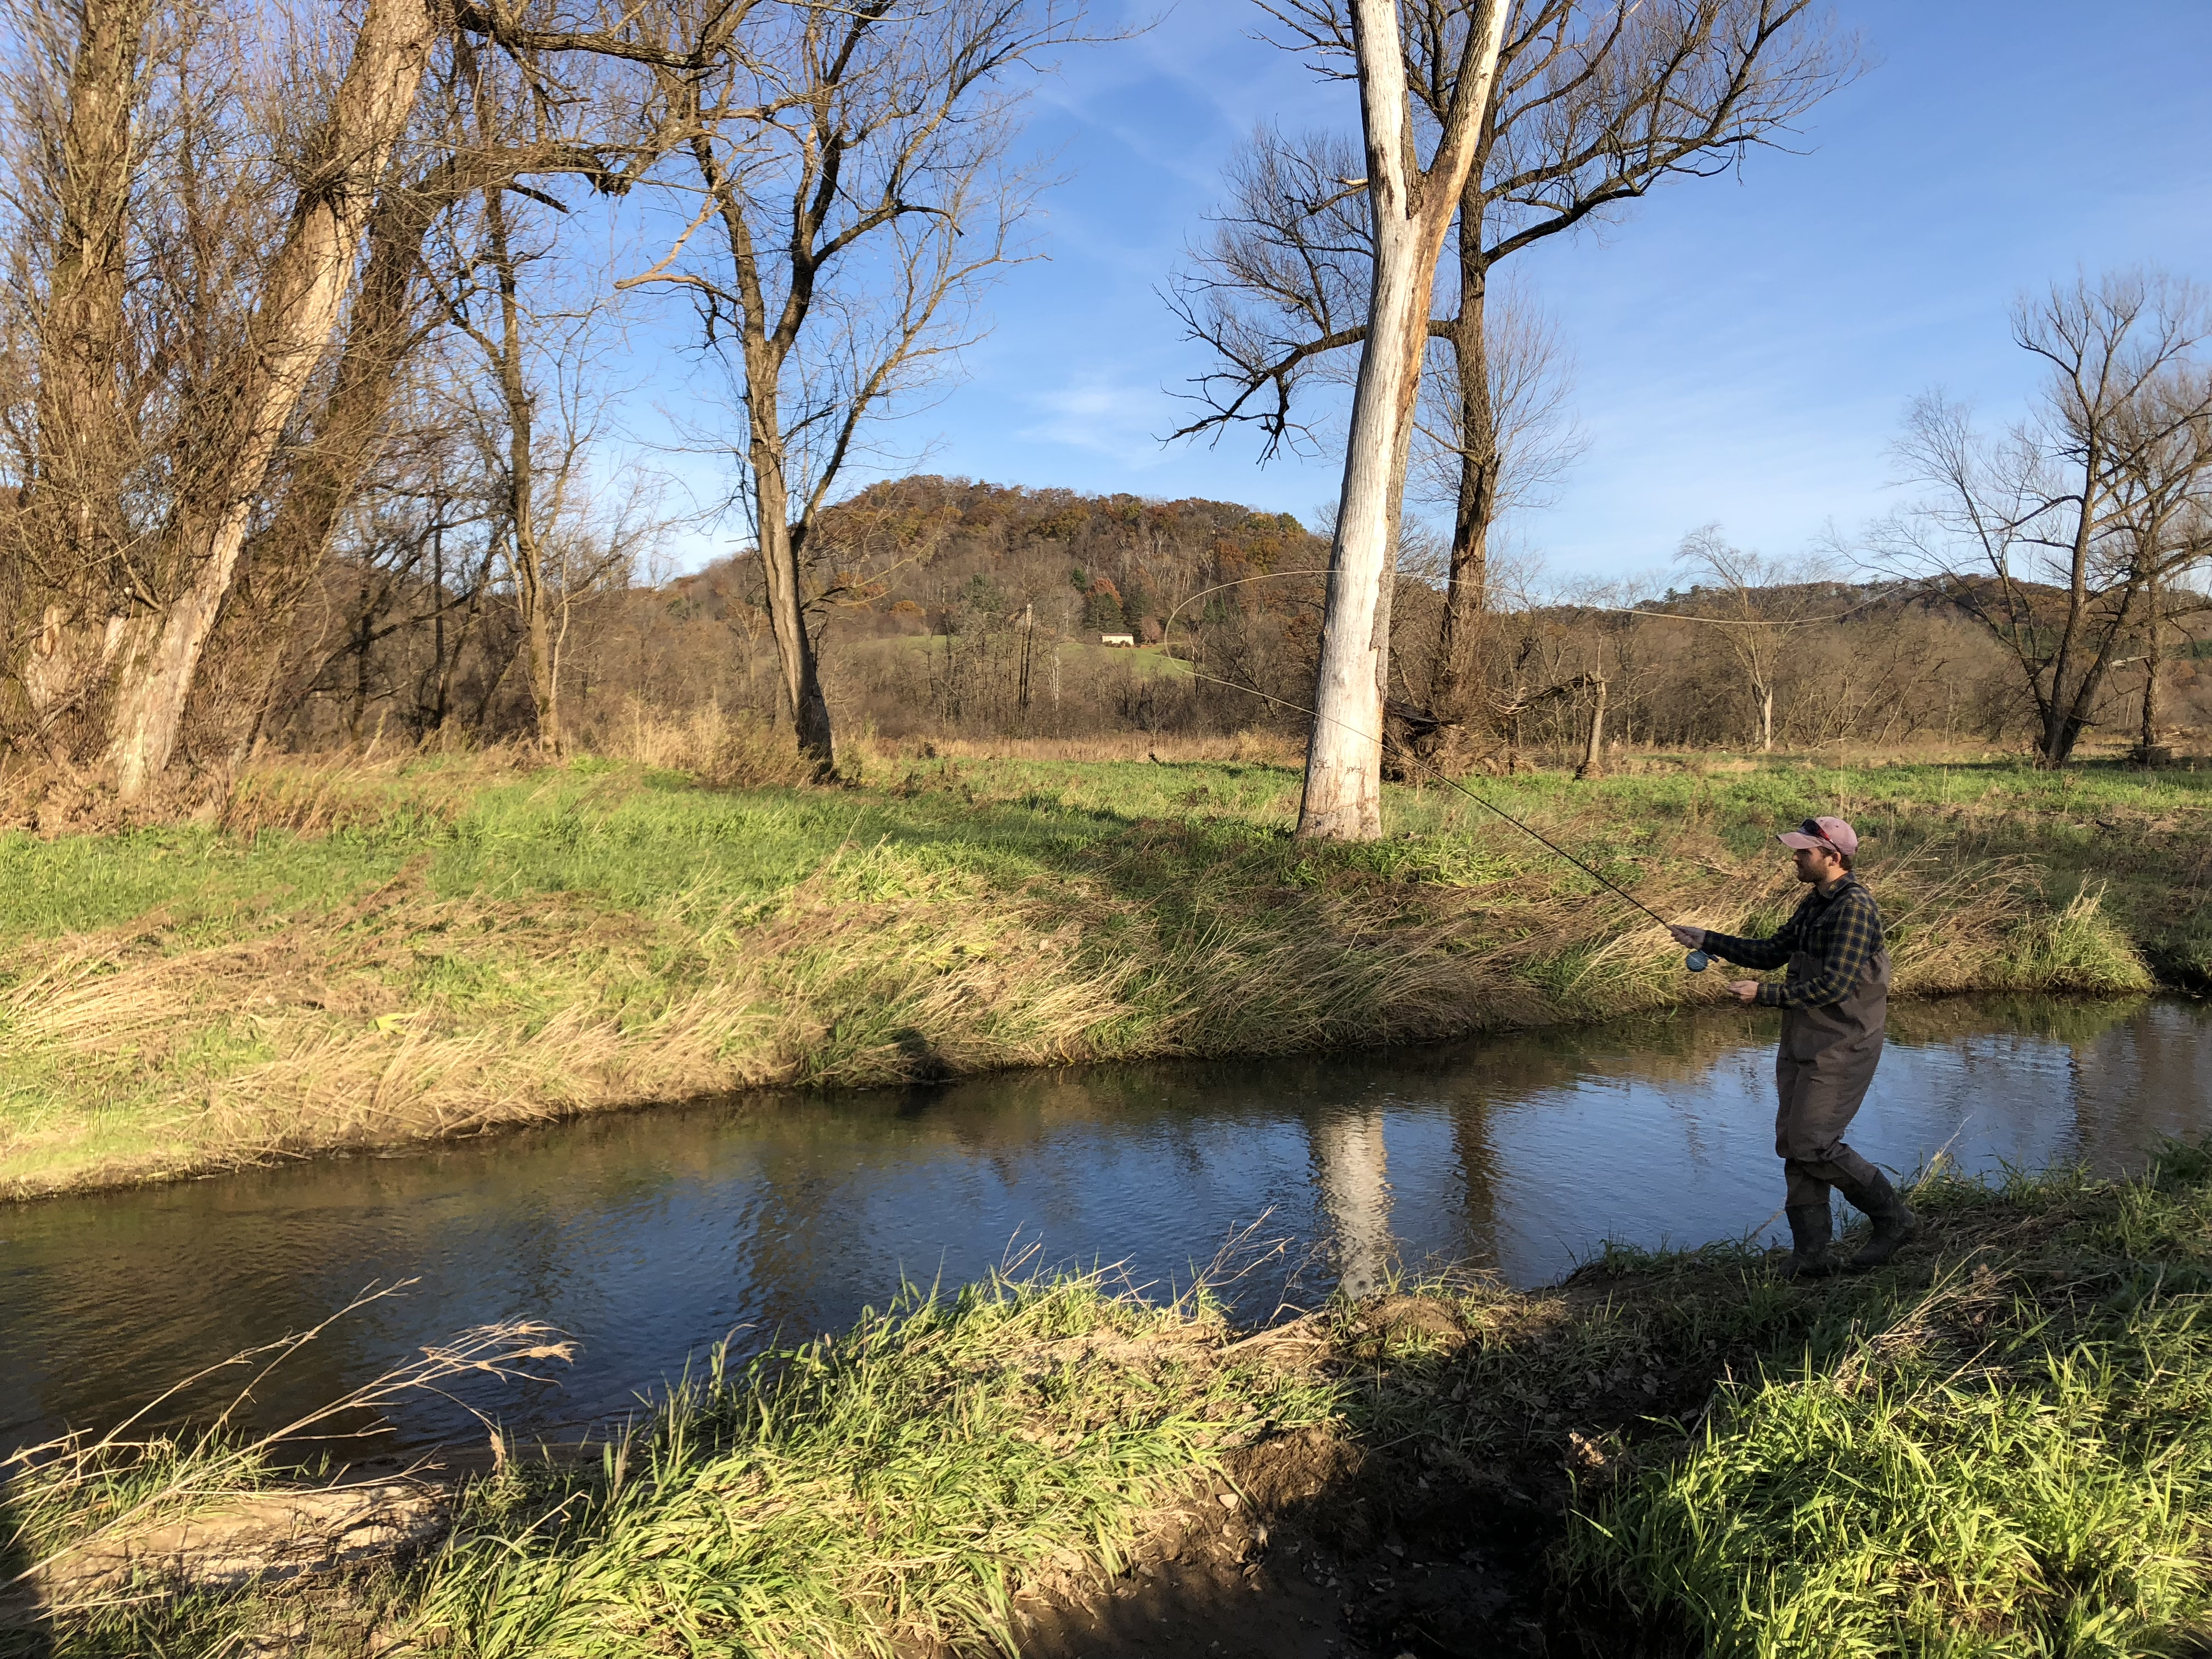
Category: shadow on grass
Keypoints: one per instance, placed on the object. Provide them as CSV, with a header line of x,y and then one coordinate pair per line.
x,y
1478,1423
1193,861
25,1630
2003,1436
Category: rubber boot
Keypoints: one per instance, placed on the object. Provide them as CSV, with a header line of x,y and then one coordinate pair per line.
x,y
1893,1222
1808,1243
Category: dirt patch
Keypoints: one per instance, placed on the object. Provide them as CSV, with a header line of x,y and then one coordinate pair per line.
x,y
1299,1552
1426,1524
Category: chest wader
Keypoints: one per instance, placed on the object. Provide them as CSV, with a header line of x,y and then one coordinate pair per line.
x,y
1827,1060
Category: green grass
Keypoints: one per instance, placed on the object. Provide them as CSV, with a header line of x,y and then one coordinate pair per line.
x,y
2011,1454
2000,1445
892,1486
372,955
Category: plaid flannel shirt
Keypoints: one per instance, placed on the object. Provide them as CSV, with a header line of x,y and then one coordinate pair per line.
x,y
1843,927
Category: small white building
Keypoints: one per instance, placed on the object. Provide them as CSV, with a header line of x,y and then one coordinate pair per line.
x,y
1129,639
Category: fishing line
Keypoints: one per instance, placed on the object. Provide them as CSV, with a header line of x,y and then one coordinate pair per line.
x,y
1889,593
1697,961
1406,753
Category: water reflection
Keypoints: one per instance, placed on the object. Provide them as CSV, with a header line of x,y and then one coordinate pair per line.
x,y
1350,1166
649,1235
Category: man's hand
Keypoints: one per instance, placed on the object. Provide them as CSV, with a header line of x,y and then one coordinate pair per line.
x,y
1745,990
1690,938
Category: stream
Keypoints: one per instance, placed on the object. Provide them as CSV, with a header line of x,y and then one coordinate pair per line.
x,y
650,1236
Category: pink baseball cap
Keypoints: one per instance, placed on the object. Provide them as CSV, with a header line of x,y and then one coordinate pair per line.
x,y
1833,834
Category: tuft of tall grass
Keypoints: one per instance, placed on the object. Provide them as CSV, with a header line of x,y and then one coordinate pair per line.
x,y
868,1493
400,796
2075,949
721,749
2013,1456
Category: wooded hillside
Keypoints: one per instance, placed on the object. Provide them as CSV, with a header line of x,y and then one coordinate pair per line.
x,y
965,608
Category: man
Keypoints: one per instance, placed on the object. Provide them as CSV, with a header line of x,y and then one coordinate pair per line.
x,y
1833,999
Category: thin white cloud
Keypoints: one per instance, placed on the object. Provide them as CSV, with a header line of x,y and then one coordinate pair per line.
x,y
1102,416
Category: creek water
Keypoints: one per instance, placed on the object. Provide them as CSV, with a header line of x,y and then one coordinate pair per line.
x,y
651,1235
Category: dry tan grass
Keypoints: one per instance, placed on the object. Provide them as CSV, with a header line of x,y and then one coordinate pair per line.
x,y
1243,748
316,794
727,750
830,992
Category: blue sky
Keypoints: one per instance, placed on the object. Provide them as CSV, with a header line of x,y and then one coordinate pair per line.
x,y
1744,346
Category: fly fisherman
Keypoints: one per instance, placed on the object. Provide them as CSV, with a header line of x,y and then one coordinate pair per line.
x,y
1833,1001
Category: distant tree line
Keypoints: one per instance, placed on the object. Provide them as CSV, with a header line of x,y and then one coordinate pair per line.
x,y
956,608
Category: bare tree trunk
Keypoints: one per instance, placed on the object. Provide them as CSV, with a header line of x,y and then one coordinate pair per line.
x,y
80,430
1766,719
2064,716
1457,682
1343,797
75,523
1593,764
798,685
2147,744
307,285
1412,213
246,659
2071,713
521,408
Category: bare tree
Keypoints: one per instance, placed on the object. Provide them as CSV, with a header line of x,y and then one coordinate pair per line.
x,y
1593,102
487,306
243,205
489,124
1759,604
2171,533
532,447
307,282
853,188
83,437
1410,210
2055,535
135,193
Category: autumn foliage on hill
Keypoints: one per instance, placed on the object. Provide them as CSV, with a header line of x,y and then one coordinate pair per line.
x,y
952,607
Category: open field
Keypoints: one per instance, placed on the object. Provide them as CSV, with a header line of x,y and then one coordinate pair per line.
x,y
346,955
1997,1445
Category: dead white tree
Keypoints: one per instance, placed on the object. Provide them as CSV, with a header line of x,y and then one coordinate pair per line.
x,y
1412,209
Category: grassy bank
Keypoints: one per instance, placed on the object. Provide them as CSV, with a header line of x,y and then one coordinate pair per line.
x,y
1998,1446
328,957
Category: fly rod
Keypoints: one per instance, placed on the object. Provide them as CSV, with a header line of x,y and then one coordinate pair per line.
x,y
1696,962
